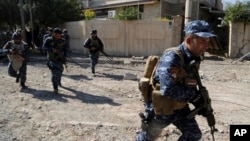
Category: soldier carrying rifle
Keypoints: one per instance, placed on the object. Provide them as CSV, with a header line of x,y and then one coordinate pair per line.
x,y
17,52
56,55
173,84
95,45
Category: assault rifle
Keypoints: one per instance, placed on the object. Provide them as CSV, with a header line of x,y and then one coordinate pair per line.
x,y
4,52
203,105
106,55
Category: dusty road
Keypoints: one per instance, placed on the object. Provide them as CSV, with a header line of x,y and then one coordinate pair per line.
x,y
106,107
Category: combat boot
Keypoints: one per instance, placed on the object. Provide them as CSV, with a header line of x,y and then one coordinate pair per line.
x,y
22,84
17,78
60,84
55,91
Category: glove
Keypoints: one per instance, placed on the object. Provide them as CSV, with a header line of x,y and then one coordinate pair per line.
x,y
197,100
203,112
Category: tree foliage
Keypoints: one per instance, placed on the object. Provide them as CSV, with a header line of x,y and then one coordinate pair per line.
x,y
44,12
238,12
9,13
89,14
127,13
54,12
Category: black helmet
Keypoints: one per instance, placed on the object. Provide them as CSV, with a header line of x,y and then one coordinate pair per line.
x,y
65,31
50,29
16,35
57,30
93,31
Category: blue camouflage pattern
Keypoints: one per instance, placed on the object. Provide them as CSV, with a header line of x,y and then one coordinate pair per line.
x,y
200,28
56,73
170,88
189,127
55,60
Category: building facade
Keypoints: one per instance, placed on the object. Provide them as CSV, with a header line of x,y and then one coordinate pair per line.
x,y
154,9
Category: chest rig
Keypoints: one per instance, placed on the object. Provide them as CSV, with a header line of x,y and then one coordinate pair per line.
x,y
150,90
16,59
59,46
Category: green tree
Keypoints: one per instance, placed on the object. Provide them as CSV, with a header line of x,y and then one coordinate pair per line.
x,y
89,14
55,12
44,12
238,12
10,14
127,13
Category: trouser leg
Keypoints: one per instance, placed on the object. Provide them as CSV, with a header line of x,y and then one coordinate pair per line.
x,y
154,130
56,74
22,74
189,128
94,61
11,71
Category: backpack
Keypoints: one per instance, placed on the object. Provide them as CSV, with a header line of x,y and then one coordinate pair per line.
x,y
146,86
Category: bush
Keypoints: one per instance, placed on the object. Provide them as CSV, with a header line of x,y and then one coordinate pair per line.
x,y
239,12
127,13
89,14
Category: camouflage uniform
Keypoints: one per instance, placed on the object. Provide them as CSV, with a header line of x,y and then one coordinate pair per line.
x,y
55,59
176,90
45,36
94,41
17,61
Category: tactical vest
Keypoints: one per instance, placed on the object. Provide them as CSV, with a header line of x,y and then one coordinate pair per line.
x,y
150,91
95,43
59,46
16,59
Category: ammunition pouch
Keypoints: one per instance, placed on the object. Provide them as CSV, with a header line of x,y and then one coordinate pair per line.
x,y
164,105
145,89
16,60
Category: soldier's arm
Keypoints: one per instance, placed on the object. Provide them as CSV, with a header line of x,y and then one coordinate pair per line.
x,y
8,46
169,85
87,43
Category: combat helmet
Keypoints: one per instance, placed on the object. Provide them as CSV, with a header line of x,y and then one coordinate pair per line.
x,y
93,31
16,35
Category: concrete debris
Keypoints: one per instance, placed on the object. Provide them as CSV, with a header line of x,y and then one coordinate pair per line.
x,y
138,58
130,76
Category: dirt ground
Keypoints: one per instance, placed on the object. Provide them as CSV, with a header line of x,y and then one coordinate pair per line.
x,y
106,107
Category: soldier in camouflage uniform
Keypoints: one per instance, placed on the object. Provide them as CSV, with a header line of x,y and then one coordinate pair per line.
x,y
56,54
95,45
18,56
176,88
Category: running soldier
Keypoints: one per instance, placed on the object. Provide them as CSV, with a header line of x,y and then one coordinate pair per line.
x,y
95,46
56,54
174,86
18,57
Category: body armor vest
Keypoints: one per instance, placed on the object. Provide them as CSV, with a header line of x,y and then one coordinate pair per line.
x,y
163,105
16,59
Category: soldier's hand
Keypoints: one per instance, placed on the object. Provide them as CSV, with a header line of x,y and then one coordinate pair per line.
x,y
197,100
12,51
93,48
54,50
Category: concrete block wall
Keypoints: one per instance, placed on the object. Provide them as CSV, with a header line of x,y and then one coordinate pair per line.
x,y
239,39
128,38
152,11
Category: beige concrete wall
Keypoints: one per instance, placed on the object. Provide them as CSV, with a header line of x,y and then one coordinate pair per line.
x,y
239,39
128,38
